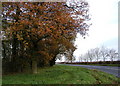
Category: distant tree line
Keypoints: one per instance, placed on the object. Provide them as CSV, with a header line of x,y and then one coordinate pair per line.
x,y
99,54
35,34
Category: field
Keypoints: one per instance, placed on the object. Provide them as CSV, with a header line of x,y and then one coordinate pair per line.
x,y
114,65
99,63
61,74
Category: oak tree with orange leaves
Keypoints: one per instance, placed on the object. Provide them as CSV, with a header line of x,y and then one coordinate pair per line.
x,y
36,32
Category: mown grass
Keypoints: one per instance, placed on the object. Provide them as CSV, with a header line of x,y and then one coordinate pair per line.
x,y
61,74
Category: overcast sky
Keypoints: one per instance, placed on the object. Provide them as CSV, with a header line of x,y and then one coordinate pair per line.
x,y
104,29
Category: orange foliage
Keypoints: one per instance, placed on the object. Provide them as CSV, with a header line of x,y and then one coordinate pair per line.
x,y
43,25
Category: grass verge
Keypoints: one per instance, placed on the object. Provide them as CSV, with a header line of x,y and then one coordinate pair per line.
x,y
61,74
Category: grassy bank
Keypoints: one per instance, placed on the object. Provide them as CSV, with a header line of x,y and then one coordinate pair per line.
x,y
60,74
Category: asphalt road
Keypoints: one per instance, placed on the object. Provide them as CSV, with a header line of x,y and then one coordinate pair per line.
x,y
108,69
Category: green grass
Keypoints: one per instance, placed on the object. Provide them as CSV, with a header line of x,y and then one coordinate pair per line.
x,y
61,74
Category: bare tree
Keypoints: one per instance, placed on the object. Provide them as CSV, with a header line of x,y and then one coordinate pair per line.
x,y
103,52
85,58
97,53
90,54
81,58
112,54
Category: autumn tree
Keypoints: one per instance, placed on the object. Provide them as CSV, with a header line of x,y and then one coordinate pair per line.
x,y
34,28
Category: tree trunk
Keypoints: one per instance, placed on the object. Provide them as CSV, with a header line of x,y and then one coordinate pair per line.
x,y
34,67
52,62
104,59
14,55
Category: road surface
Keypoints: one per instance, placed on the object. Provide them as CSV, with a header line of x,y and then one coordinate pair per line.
x,y
108,69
